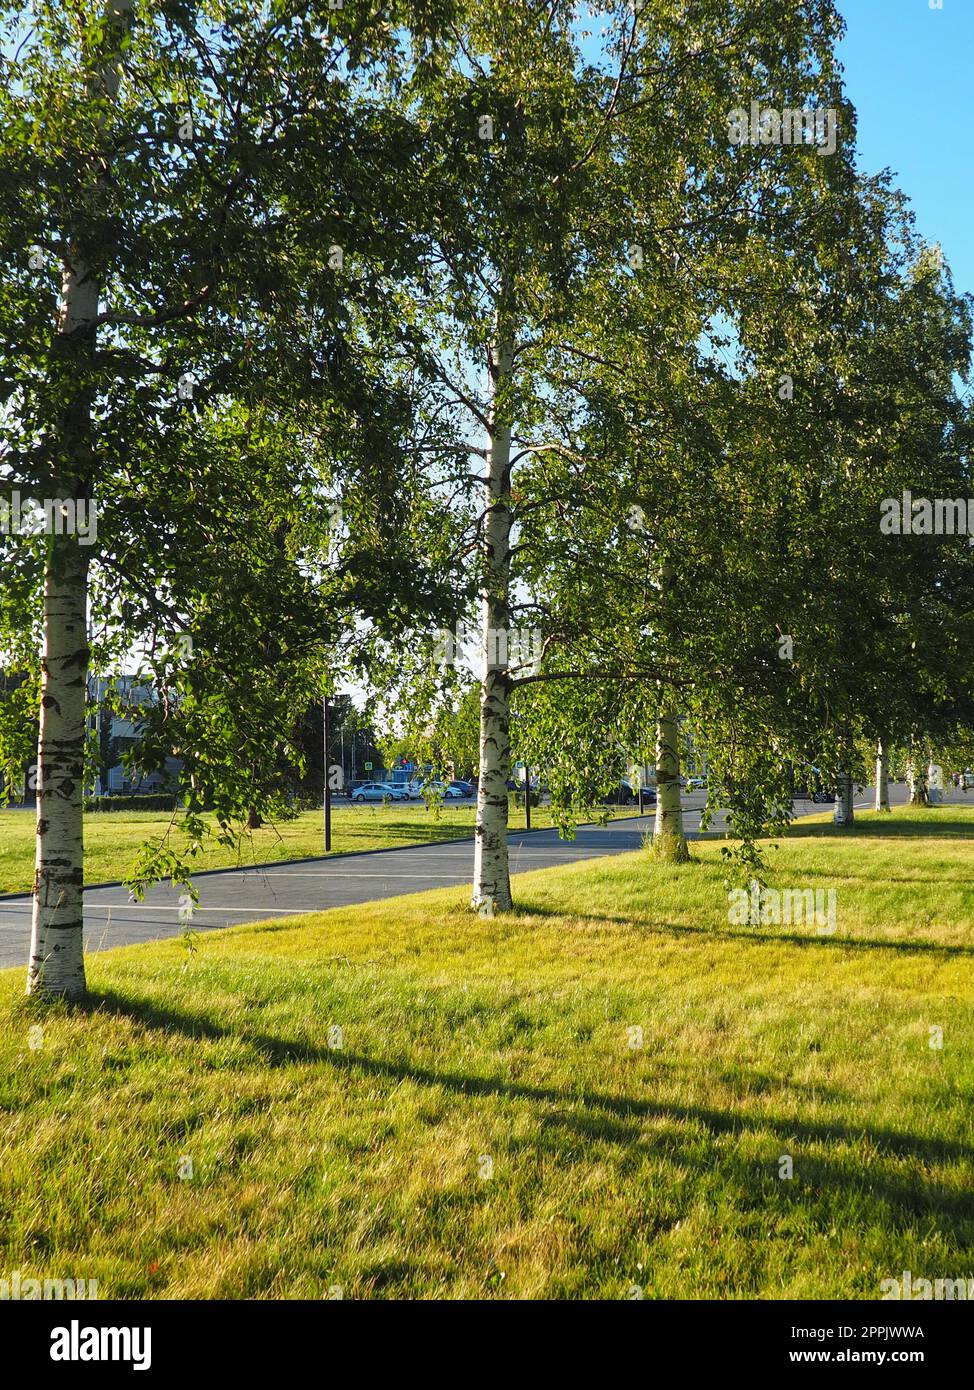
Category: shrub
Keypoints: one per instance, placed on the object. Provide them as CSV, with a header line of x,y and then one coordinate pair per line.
x,y
149,801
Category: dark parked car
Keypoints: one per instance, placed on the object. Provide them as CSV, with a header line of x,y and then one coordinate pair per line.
x,y
810,786
627,795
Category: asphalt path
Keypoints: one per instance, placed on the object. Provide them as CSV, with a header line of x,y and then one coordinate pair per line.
x,y
290,888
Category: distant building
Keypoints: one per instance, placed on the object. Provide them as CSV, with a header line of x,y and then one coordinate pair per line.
x,y
118,732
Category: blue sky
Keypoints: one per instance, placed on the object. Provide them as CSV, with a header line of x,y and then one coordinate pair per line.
x,y
909,71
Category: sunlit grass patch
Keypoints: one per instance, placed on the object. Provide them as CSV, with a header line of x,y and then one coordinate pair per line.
x,y
594,1093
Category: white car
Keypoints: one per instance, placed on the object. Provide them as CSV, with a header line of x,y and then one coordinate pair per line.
x,y
443,789
378,791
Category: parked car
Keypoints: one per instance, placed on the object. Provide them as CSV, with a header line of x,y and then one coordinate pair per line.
x,y
696,784
464,788
447,790
622,795
378,791
811,787
628,795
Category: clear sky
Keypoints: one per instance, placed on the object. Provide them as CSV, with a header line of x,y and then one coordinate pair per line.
x,y
909,72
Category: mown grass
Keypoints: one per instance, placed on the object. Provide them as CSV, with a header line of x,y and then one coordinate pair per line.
x,y
363,1166
113,838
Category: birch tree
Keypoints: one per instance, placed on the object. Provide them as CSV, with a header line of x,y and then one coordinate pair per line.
x,y
56,960
205,203
582,185
669,840
882,777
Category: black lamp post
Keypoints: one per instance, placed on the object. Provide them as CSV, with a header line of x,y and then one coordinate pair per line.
x,y
326,749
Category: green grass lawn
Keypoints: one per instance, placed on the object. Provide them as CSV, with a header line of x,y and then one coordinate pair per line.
x,y
365,1166
114,838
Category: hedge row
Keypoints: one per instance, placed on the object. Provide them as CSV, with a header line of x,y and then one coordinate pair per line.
x,y
152,801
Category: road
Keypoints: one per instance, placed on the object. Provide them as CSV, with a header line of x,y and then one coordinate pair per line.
x,y
294,887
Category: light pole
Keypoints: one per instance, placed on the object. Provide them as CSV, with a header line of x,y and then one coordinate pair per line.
x,y
326,750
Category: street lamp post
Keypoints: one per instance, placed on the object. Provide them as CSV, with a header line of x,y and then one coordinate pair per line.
x,y
326,749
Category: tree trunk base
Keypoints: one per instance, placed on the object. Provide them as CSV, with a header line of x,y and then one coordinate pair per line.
x,y
671,849
491,907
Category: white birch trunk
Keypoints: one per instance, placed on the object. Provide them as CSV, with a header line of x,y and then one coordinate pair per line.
x,y
844,811
935,784
492,879
56,951
56,965
916,778
669,841
882,778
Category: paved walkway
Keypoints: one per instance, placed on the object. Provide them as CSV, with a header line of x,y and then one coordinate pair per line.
x,y
293,887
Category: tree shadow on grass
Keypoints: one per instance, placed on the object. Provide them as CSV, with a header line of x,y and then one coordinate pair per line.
x,y
756,936
416,833
926,874
597,1117
883,829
